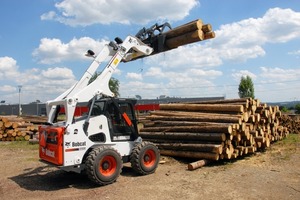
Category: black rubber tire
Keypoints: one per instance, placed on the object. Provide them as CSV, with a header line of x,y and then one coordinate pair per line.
x,y
103,165
144,158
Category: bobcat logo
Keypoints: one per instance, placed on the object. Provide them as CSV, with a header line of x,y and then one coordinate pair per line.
x,y
67,144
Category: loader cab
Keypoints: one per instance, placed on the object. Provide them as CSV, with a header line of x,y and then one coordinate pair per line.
x,y
120,116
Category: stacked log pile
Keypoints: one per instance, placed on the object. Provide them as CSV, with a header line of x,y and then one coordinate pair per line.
x,y
223,129
291,122
14,128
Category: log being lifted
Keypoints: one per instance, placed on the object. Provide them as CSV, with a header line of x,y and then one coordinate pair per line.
x,y
186,28
188,33
191,32
187,38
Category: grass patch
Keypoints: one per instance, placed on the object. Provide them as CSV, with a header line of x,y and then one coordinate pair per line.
x,y
291,140
19,145
284,149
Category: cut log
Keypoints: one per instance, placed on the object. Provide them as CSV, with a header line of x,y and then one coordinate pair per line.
x,y
197,164
185,28
189,154
185,123
203,107
192,129
187,38
209,35
185,136
222,101
198,118
27,137
206,28
214,148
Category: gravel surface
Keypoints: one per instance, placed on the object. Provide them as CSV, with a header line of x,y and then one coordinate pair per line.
x,y
273,174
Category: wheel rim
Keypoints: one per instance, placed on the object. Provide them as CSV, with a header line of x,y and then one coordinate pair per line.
x,y
108,166
149,158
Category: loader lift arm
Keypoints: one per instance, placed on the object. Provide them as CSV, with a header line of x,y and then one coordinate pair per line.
x,y
82,91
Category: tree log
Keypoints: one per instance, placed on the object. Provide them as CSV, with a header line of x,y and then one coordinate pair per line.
x,y
203,107
213,148
192,129
185,28
160,123
190,154
219,137
197,164
222,101
206,28
187,38
197,118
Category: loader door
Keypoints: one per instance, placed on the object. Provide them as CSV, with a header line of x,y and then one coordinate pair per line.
x,y
121,120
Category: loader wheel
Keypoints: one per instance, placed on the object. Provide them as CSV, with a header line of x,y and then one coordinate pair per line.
x,y
144,158
103,165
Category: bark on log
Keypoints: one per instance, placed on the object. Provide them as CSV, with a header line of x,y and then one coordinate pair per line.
x,y
219,137
192,113
187,38
192,129
223,101
209,35
198,118
203,107
189,154
185,28
214,148
206,28
160,123
197,164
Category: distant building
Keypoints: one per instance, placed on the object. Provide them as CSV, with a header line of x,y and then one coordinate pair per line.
x,y
27,109
143,105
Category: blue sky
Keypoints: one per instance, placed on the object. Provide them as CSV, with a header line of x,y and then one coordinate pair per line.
x,y
42,47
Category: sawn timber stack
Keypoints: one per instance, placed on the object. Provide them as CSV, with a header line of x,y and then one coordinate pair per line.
x,y
15,128
213,130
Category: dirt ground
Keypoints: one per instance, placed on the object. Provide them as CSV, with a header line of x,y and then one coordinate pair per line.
x,y
272,174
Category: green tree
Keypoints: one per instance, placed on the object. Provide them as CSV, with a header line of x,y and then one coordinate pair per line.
x,y
283,109
113,83
114,86
297,108
246,88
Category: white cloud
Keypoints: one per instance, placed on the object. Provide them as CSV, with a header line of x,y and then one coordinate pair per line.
x,y
277,74
235,42
88,12
155,72
134,76
280,25
58,73
243,73
8,68
297,53
36,83
7,88
244,40
51,51
205,73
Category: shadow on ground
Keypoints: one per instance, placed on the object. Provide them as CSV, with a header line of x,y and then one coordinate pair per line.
x,y
50,179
